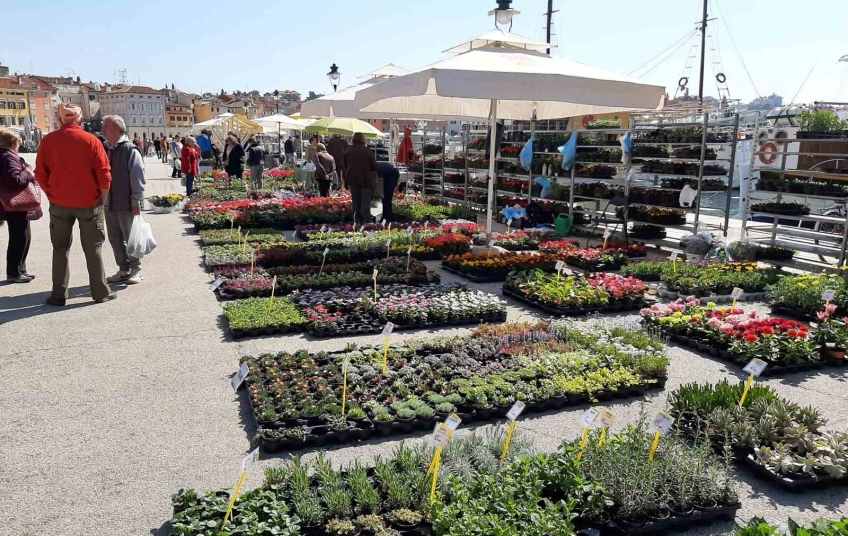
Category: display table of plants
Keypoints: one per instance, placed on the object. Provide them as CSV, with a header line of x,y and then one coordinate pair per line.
x,y
297,397
344,311
519,240
738,336
820,527
494,266
608,487
779,439
710,280
575,295
800,296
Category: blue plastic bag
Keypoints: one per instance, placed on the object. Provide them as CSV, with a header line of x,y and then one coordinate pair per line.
x,y
545,183
514,212
568,151
526,155
626,142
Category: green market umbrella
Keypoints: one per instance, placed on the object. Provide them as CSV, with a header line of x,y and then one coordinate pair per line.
x,y
346,126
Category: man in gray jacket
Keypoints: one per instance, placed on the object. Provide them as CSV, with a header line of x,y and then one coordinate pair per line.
x,y
126,196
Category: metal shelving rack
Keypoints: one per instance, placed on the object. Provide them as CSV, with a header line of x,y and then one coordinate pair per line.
x,y
823,235
713,134
431,179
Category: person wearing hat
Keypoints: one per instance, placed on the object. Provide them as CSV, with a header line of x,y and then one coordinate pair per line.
x,y
73,171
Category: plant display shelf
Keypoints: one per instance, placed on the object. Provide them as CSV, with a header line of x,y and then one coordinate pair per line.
x,y
768,193
681,118
434,175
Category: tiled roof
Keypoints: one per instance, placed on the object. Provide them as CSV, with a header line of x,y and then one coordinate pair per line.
x,y
136,89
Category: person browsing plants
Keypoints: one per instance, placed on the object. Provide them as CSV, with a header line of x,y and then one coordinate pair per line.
x,y
360,166
73,170
125,198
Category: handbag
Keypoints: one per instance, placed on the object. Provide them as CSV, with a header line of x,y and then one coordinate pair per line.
x,y
26,199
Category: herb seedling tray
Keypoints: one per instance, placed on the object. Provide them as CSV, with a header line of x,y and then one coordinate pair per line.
x,y
576,311
260,332
680,523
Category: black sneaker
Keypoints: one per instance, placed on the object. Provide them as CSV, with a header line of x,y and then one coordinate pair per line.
x,y
56,302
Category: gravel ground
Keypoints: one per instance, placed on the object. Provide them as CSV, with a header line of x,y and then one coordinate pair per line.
x,y
109,409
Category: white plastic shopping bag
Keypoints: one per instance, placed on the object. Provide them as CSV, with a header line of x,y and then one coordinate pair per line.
x,y
141,241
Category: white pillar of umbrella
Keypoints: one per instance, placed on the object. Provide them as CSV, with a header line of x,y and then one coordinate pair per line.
x,y
507,81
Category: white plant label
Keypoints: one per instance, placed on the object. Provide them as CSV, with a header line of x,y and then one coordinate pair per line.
x,y
361,229
674,255
375,274
607,417
607,233
248,461
215,284
516,410
368,234
509,222
491,243
440,436
323,228
453,421
389,327
455,229
589,417
560,265
238,379
345,365
390,226
737,293
828,295
661,422
383,223
755,367
409,230
389,243
326,250
409,250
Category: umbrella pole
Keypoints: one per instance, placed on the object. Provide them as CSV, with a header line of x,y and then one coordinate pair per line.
x,y
493,163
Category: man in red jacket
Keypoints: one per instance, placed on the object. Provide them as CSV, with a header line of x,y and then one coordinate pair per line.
x,y
73,170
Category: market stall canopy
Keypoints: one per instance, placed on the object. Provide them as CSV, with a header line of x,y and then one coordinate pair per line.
x,y
228,122
338,104
523,81
499,36
280,122
385,72
346,126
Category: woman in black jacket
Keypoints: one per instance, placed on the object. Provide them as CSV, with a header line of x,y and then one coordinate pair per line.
x,y
235,158
15,174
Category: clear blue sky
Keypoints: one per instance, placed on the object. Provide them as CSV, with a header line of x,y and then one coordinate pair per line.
x,y
290,44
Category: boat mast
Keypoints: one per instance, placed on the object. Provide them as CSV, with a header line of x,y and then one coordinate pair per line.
x,y
703,53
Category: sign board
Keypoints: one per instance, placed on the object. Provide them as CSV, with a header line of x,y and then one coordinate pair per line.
x,y
248,461
589,417
516,410
389,327
755,367
440,436
661,422
453,421
828,295
215,284
606,417
737,293
238,379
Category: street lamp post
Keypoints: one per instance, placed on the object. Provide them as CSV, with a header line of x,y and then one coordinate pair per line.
x,y
279,134
504,13
334,75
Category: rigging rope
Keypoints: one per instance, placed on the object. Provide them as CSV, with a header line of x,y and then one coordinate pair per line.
x,y
736,48
677,42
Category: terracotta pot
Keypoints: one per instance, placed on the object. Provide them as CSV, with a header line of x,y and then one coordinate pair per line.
x,y
833,353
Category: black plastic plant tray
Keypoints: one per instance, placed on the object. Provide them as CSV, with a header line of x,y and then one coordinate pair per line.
x,y
681,523
796,485
724,355
476,278
266,293
591,267
261,332
575,311
792,312
378,326
370,429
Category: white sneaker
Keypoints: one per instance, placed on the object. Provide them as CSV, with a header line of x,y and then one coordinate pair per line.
x,y
118,277
135,277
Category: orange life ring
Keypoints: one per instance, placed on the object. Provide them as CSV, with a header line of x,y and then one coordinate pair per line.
x,y
768,152
587,119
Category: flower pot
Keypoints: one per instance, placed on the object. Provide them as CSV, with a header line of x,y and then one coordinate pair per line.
x,y
680,510
833,352
660,515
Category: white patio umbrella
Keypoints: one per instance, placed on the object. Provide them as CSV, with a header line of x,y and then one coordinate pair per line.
x,y
504,81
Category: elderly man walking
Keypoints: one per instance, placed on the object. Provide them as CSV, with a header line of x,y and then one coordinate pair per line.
x,y
125,199
73,170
